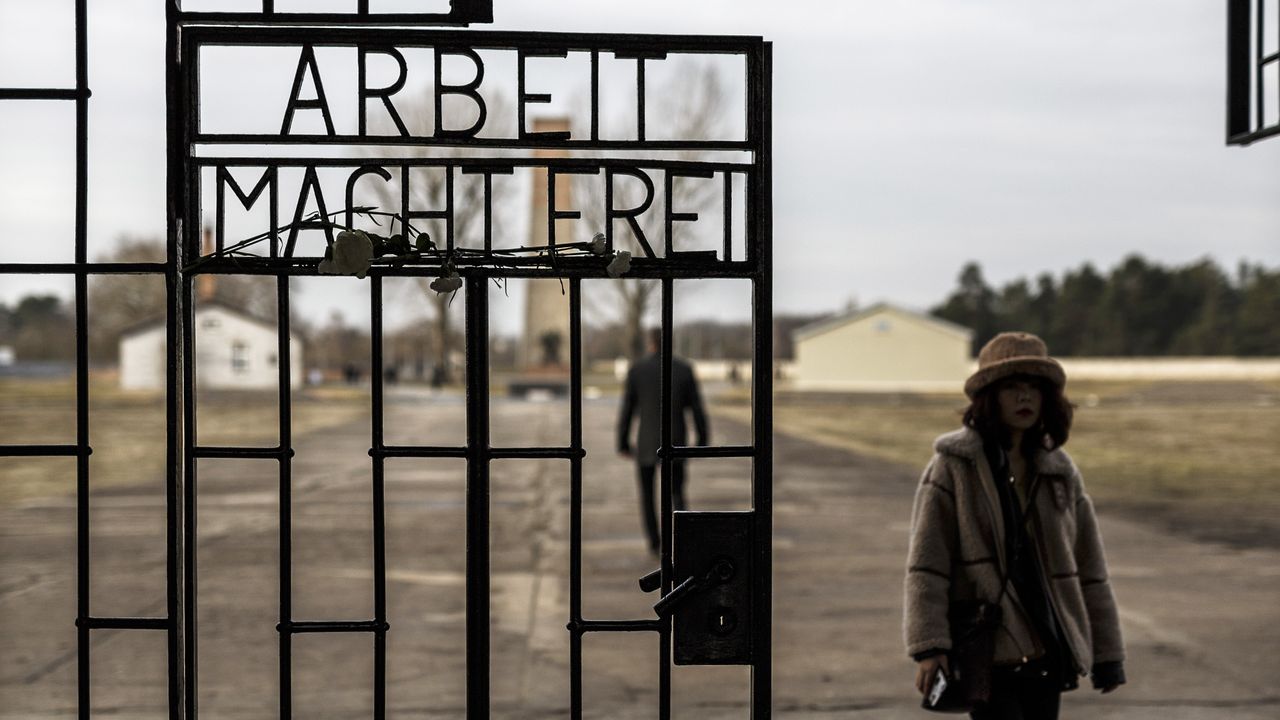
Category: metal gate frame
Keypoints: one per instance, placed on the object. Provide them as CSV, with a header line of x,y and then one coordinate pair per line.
x,y
1248,94
179,622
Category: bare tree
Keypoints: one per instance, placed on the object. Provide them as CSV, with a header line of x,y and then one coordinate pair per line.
x,y
693,102
428,190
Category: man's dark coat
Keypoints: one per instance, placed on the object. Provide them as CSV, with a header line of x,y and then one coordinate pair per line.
x,y
642,396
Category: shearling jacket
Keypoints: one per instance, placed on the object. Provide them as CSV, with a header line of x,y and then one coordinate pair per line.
x,y
957,552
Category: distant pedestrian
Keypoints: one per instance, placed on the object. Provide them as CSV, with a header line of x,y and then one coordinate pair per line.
x,y
642,396
1006,588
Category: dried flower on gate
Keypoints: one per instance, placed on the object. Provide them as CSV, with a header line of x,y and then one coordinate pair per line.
x,y
620,264
350,254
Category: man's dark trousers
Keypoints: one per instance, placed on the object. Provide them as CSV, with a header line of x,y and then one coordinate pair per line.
x,y
648,475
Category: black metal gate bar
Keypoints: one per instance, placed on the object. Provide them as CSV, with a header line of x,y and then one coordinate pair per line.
x,y
1238,68
179,556
477,349
284,380
185,350
72,268
666,461
760,228
379,505
82,360
575,499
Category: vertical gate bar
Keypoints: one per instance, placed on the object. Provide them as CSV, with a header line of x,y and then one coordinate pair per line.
x,y
187,348
286,589
595,95
664,412
175,492
762,391
82,360
174,487
188,248
448,207
640,97
1259,37
1238,71
379,507
551,211
575,499
477,332
728,216
284,380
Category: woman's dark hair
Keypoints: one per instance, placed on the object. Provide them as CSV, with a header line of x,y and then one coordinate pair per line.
x,y
1056,413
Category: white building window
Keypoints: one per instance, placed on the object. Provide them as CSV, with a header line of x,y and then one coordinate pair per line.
x,y
239,357
883,326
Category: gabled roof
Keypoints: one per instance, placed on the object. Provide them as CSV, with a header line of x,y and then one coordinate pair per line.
x,y
848,318
205,305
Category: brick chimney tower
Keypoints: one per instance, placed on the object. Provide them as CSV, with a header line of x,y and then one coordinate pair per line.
x,y
206,283
545,344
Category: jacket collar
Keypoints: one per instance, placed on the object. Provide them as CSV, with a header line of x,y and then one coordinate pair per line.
x,y
967,443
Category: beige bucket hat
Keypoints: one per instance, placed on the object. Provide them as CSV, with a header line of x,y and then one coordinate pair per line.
x,y
1014,353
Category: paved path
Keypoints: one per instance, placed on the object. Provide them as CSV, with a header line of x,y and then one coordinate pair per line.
x,y
1202,621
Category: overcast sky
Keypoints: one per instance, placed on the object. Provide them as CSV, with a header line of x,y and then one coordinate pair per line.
x,y
909,138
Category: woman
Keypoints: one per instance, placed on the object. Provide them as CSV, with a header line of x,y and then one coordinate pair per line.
x,y
1001,502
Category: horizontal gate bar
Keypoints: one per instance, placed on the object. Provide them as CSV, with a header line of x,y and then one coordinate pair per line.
x,y
478,163
418,451
332,626
708,452
93,623
529,143
43,94
325,19
69,268
473,39
499,267
43,451
615,626
538,452
242,453
1252,137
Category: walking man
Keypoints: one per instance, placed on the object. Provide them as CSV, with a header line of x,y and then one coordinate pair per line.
x,y
642,396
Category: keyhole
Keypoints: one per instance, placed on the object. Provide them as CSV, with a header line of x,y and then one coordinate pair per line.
x,y
722,621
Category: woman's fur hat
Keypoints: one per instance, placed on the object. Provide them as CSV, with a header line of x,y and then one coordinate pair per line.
x,y
1014,353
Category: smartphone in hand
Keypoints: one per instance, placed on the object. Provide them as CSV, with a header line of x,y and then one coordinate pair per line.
x,y
937,687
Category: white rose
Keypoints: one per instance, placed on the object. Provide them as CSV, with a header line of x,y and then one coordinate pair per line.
x,y
620,264
351,254
446,283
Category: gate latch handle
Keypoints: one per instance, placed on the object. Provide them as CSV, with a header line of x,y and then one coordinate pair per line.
x,y
721,570
652,581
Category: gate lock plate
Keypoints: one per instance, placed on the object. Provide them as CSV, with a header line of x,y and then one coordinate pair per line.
x,y
713,623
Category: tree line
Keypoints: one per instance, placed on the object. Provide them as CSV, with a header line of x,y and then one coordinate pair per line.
x,y
1138,308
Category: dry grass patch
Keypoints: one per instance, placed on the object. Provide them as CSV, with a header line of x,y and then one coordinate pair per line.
x,y
1139,442
127,429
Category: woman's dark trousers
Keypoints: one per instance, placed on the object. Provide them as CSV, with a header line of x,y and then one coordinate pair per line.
x,y
1017,698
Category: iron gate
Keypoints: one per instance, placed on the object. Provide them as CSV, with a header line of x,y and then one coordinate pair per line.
x,y
190,154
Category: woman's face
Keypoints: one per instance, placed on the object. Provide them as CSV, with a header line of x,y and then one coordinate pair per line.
x,y
1019,400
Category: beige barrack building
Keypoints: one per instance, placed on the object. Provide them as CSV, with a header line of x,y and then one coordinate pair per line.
x,y
883,348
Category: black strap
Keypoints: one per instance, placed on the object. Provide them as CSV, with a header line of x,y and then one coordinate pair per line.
x,y
1017,544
